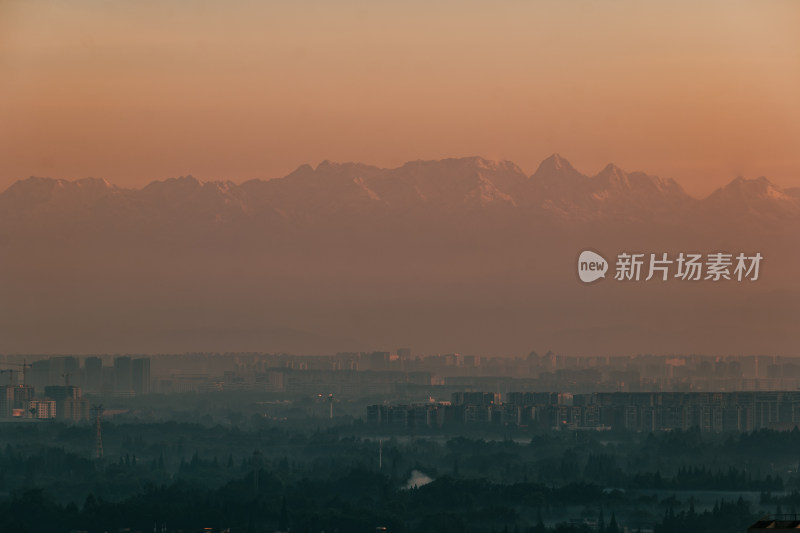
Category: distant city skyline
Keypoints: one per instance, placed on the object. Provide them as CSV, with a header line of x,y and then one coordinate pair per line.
x,y
399,266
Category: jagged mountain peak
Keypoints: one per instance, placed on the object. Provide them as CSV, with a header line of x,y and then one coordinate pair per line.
x,y
476,162
612,174
327,166
754,188
613,177
319,194
760,182
484,164
95,182
452,182
33,189
39,190
188,179
556,165
612,170
181,183
556,161
35,182
186,186
39,182
305,168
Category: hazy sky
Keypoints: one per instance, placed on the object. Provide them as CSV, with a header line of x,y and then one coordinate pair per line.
x,y
139,90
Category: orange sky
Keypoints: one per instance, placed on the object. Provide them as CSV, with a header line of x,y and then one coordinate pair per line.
x,y
139,90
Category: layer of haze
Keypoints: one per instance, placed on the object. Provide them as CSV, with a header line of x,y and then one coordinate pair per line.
x,y
136,91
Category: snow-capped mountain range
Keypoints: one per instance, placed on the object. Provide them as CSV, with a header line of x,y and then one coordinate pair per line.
x,y
556,190
460,254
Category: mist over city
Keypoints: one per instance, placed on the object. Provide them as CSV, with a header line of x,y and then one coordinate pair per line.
x,y
452,267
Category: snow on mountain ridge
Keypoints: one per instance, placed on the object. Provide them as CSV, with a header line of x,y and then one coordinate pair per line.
x,y
450,184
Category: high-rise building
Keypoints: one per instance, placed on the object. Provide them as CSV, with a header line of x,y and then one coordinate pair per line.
x,y
13,399
40,409
140,375
70,404
62,369
122,374
93,367
38,374
379,360
6,401
107,380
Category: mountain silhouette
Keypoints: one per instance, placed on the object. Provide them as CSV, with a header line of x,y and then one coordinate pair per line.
x,y
462,254
452,186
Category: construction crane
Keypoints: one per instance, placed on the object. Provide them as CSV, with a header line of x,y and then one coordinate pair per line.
x,y
98,412
10,373
25,366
